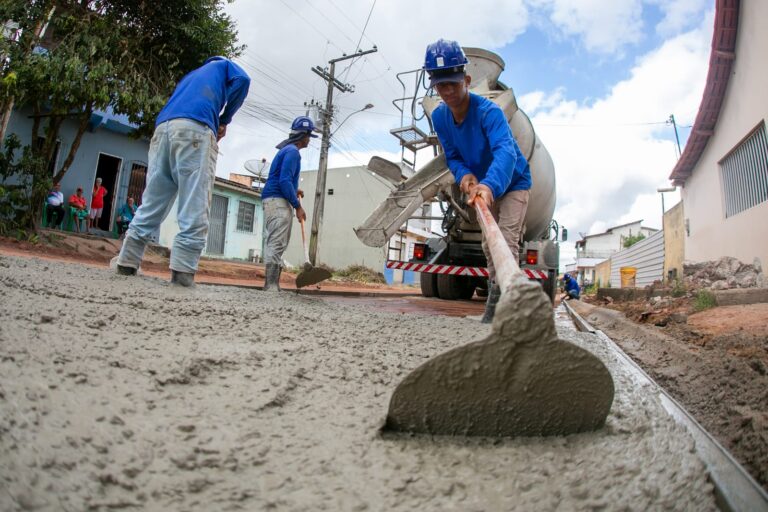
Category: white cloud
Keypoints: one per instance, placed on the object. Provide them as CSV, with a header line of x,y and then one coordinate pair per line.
x,y
604,26
680,14
608,165
286,39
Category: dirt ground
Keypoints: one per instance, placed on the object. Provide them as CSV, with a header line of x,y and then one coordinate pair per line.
x,y
713,362
127,393
98,251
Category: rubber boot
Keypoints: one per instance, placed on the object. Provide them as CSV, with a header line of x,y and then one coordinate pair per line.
x,y
126,271
185,279
494,292
272,278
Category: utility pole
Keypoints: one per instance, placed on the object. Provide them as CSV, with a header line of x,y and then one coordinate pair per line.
x,y
677,138
325,144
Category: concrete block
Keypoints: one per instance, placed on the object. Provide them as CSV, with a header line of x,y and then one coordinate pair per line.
x,y
741,296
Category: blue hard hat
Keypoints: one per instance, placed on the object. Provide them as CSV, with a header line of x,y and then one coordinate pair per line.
x,y
445,61
304,124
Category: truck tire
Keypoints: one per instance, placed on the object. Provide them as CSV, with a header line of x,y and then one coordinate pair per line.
x,y
550,285
428,284
455,287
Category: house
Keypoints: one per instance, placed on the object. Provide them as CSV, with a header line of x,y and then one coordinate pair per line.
x,y
723,171
351,194
106,151
591,250
236,223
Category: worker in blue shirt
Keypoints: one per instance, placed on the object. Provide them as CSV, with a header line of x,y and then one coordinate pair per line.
x,y
480,150
280,198
572,290
182,161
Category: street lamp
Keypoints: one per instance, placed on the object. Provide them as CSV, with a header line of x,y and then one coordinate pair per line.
x,y
661,191
368,106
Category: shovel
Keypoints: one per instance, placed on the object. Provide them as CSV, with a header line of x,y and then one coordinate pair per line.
x,y
310,274
521,380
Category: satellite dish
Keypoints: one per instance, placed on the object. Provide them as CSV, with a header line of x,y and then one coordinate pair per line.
x,y
260,169
256,166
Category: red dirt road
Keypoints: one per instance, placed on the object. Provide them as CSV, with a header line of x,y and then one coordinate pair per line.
x,y
97,252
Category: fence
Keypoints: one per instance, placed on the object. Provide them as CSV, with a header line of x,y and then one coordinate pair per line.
x,y
647,256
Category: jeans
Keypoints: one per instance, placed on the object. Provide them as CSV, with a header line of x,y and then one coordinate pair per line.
x,y
278,219
182,161
509,212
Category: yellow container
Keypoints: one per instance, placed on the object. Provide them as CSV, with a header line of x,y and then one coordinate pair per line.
x,y
628,276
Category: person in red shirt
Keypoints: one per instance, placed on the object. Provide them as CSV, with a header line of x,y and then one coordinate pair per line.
x,y
77,208
97,203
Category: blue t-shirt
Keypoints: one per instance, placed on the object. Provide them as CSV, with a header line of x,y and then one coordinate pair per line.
x,y
572,286
219,84
126,212
482,145
283,179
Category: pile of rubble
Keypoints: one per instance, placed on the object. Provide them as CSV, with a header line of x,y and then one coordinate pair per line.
x,y
724,274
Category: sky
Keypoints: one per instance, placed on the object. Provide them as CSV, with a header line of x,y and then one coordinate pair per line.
x,y
598,78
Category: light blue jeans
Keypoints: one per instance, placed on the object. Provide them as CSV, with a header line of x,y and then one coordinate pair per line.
x,y
278,219
182,161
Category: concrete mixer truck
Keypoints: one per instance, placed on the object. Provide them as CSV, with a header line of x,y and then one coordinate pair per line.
x,y
453,266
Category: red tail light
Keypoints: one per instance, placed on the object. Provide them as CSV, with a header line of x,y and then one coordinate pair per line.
x,y
419,251
531,257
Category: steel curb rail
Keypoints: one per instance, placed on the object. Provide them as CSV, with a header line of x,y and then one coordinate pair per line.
x,y
735,489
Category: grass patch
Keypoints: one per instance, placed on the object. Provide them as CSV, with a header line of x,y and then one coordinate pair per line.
x,y
704,299
359,274
678,289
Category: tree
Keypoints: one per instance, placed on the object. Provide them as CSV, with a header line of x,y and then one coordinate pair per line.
x,y
633,239
74,57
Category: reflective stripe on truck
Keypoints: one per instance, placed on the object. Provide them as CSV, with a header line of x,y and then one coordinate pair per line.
x,y
456,270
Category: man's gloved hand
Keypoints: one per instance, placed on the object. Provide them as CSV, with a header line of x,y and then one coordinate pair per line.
x,y
301,215
222,132
467,182
481,191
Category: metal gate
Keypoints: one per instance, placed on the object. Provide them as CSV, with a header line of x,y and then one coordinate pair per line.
x,y
218,225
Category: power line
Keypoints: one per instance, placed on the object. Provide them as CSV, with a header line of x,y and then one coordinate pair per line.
x,y
312,25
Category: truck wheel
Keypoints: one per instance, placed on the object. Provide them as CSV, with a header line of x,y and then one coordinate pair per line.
x,y
550,285
455,287
428,284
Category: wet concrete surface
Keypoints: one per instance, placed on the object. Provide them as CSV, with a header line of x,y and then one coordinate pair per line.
x,y
127,393
413,305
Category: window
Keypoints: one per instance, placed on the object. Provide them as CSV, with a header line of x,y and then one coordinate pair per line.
x,y
245,214
744,173
137,182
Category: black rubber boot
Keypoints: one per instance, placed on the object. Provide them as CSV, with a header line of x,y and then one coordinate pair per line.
x,y
126,271
272,278
185,279
494,292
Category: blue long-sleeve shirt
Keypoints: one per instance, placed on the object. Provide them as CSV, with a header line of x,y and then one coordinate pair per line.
x,y
283,179
211,94
482,145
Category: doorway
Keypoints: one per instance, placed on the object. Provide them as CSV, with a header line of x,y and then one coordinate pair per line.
x,y
218,225
108,169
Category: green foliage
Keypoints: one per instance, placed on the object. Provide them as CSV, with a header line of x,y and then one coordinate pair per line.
x,y
678,288
591,289
17,211
633,239
704,299
97,54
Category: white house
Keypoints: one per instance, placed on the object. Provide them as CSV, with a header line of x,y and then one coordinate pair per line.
x,y
723,171
594,249
236,223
